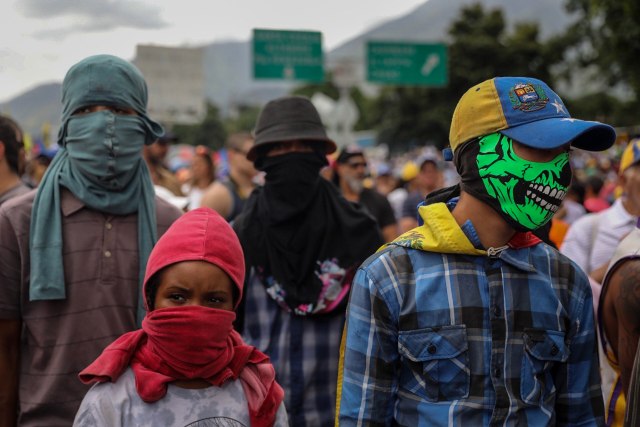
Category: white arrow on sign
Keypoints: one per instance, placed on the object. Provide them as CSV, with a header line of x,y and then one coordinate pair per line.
x,y
430,64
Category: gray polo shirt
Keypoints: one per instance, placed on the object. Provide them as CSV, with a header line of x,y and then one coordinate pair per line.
x,y
18,190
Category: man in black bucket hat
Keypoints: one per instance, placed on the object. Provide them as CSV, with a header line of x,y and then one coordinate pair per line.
x,y
302,242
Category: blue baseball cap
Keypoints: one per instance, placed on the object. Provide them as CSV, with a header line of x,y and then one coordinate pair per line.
x,y
526,110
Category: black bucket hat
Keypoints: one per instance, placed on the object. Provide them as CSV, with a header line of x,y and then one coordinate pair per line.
x,y
287,119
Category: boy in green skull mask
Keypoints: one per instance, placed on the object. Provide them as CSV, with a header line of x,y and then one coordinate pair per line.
x,y
469,319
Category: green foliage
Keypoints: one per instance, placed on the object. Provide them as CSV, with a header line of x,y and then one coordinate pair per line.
x,y
480,48
605,38
366,106
244,120
210,132
326,87
604,108
608,37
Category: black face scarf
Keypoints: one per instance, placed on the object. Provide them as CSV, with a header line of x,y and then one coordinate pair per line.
x,y
289,183
296,222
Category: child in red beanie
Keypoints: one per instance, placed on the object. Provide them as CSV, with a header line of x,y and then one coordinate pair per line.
x,y
187,364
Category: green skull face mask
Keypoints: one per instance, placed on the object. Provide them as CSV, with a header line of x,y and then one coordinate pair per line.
x,y
528,193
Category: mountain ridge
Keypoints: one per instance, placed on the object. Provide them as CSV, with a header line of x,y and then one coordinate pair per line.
x,y
227,64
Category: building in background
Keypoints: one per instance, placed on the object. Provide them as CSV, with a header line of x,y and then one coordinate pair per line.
x,y
175,78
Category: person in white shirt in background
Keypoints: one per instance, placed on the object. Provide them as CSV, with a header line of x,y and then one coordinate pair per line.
x,y
203,174
593,238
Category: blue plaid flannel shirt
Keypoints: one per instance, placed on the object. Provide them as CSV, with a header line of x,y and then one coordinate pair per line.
x,y
438,339
304,351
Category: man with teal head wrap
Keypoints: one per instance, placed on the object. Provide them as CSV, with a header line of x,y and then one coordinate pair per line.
x,y
74,251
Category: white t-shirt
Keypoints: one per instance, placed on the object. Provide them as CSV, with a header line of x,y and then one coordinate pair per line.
x,y
195,197
592,248
574,211
118,404
396,200
593,238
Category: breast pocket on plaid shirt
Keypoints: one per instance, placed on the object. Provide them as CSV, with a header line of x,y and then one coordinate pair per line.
x,y
543,351
439,361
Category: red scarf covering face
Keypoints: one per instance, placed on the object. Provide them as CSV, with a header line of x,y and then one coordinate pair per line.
x,y
179,345
192,342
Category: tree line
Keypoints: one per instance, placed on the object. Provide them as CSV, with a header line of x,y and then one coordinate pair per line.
x,y
598,55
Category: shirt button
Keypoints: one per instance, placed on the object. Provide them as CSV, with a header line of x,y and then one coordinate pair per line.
x,y
554,350
107,254
496,311
432,349
496,372
108,226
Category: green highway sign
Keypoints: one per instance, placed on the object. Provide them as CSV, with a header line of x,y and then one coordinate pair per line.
x,y
288,55
400,63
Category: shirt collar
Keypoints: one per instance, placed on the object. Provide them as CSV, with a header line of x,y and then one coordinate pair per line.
x,y
618,215
469,230
517,253
519,258
69,204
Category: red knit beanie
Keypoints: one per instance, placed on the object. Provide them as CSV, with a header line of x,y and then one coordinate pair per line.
x,y
199,235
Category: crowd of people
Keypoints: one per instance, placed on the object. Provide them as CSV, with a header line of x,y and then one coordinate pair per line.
x,y
494,283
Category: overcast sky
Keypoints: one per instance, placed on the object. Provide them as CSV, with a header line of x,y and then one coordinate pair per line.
x,y
41,39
